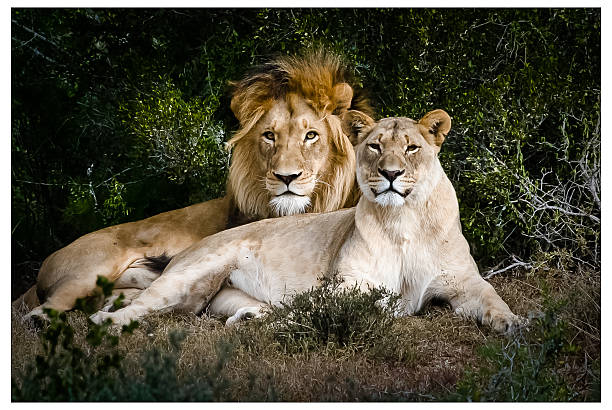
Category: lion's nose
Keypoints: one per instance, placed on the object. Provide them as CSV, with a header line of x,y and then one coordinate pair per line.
x,y
287,178
390,175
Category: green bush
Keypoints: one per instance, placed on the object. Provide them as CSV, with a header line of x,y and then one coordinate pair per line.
x,y
332,316
67,372
93,370
179,138
526,366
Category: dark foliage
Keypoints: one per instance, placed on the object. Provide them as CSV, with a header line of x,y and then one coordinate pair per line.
x,y
121,114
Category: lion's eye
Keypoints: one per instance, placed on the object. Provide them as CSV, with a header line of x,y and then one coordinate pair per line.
x,y
268,136
311,136
374,147
411,149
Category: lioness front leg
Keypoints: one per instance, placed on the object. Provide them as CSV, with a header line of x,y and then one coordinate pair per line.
x,y
128,296
473,297
236,304
181,289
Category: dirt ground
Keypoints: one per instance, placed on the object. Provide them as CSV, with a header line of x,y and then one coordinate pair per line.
x,y
432,351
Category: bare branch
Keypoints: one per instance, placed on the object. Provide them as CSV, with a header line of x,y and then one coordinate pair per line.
x,y
517,263
36,34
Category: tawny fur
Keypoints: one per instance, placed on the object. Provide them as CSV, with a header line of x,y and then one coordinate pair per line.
x,y
404,235
288,93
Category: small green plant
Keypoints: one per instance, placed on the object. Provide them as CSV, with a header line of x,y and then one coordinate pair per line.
x,y
161,380
525,366
70,369
67,372
333,316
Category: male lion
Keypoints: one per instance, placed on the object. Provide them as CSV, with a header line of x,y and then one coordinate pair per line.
x,y
290,156
404,235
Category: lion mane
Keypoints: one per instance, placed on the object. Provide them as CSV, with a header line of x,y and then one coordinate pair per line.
x,y
316,77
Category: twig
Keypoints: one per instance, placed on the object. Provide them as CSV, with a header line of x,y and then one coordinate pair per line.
x,y
584,331
44,183
29,30
517,262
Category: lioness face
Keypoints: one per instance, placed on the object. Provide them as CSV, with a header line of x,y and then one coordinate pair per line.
x,y
293,144
397,158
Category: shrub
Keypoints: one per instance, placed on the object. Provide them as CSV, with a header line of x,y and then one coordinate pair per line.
x,y
70,370
526,366
331,316
67,372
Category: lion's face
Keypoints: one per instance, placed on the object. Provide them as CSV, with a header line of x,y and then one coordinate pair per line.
x,y
290,154
292,160
293,143
397,158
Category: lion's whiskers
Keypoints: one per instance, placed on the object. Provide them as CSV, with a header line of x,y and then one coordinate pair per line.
x,y
320,181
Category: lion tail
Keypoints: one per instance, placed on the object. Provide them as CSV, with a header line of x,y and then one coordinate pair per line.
x,y
157,263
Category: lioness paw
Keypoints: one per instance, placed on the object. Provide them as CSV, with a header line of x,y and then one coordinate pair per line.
x,y
245,313
503,322
101,317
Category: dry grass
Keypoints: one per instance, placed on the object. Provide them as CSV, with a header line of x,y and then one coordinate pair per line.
x,y
430,352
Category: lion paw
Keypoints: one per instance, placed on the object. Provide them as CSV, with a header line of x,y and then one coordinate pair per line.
x,y
36,315
37,318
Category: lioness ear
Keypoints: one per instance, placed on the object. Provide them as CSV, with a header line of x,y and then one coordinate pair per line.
x,y
437,124
355,125
342,97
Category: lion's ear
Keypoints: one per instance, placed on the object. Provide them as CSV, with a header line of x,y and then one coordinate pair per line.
x,y
237,106
234,106
342,97
437,124
355,125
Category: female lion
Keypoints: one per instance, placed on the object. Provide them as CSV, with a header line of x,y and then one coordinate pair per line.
x,y
404,234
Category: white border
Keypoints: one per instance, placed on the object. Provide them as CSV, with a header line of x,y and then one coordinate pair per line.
x,y
6,183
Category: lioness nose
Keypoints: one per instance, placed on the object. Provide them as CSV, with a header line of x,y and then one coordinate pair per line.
x,y
390,175
287,178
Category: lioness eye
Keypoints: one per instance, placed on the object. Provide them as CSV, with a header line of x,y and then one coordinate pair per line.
x,y
374,147
411,149
269,135
311,135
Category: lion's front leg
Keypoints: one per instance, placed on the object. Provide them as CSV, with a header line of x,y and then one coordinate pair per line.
x,y
473,297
